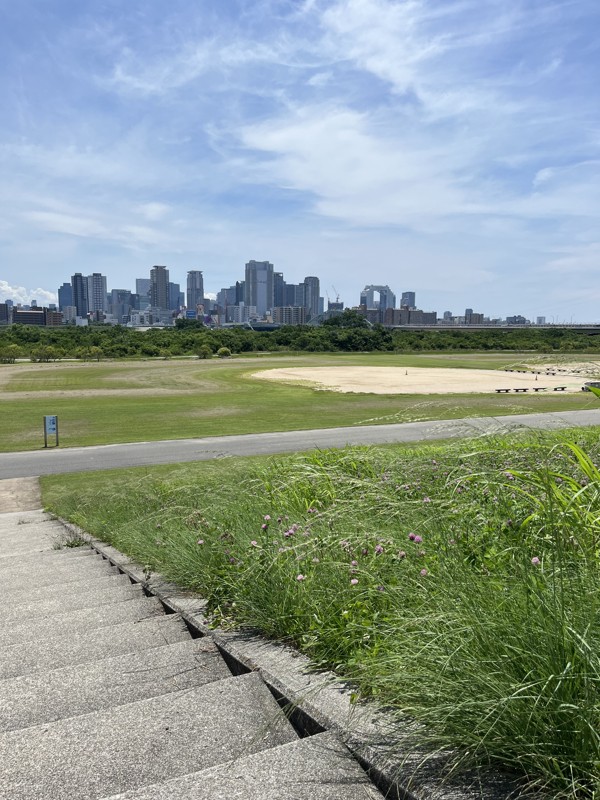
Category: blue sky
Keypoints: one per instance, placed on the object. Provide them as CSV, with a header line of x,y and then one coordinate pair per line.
x,y
448,147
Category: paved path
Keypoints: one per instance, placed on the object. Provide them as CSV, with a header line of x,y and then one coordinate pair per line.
x,y
81,459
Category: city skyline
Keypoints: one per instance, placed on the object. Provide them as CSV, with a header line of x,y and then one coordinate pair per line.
x,y
448,147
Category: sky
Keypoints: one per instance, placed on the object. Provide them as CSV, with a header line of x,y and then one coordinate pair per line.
x,y
445,147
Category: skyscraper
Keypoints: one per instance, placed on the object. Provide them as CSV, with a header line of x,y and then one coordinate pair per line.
x,y
96,292
79,285
311,297
159,287
65,296
195,289
259,286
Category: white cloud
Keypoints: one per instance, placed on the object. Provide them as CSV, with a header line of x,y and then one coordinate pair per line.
x,y
19,294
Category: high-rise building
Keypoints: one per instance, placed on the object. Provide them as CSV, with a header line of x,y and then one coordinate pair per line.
x,y
195,289
259,286
96,292
408,300
387,299
79,287
278,289
311,297
65,296
121,303
159,287
142,289
174,296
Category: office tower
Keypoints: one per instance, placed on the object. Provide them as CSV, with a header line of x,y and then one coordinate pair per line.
x,y
387,299
278,289
408,300
259,286
79,287
311,297
195,289
174,297
142,288
65,296
96,292
159,287
121,303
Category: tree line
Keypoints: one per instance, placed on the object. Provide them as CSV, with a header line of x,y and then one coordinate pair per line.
x,y
346,333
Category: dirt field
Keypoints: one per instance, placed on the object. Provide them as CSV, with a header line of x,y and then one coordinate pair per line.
x,y
420,380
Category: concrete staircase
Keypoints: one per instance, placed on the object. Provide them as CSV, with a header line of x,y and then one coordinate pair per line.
x,y
104,695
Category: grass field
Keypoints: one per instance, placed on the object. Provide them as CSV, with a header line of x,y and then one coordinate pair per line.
x,y
456,584
129,401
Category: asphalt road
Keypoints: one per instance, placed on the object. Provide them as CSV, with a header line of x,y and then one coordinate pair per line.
x,y
80,459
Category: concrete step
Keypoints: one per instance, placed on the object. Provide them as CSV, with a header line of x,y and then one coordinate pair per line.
x,y
17,576
316,768
62,651
141,743
28,558
10,519
32,594
49,696
80,621
92,598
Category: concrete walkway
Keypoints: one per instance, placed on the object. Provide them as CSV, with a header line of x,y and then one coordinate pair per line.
x,y
104,695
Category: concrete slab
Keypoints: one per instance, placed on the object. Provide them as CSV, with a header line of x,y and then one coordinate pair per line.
x,y
80,621
73,691
62,651
16,577
31,594
316,768
145,742
20,494
92,598
26,558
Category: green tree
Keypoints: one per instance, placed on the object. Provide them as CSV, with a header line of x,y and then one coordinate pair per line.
x,y
224,352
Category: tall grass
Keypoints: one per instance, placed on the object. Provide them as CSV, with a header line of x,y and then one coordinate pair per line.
x,y
460,587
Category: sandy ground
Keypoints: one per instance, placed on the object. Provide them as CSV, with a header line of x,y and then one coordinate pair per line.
x,y
419,380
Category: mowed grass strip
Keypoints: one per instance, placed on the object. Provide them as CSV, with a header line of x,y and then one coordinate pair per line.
x,y
457,584
140,401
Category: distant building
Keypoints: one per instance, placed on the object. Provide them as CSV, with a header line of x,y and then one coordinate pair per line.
x,y
290,315
311,297
65,296
5,315
79,286
195,289
408,300
259,286
540,320
142,290
386,298
121,303
159,287
96,293
517,320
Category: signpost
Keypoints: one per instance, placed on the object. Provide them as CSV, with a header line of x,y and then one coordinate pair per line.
x,y
50,429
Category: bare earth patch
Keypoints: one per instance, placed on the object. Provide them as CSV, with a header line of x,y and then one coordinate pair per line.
x,y
418,380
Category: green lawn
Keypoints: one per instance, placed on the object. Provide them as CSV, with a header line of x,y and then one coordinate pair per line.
x,y
193,398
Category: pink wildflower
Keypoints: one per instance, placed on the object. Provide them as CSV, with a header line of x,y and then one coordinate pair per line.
x,y
200,541
378,549
354,581
254,543
300,578
423,573
535,560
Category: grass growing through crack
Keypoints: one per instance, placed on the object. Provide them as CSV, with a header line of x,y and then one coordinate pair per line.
x,y
458,586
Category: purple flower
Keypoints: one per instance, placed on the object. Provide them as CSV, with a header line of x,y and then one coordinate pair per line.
x,y
254,543
418,539
412,537
267,517
378,549
354,581
535,560
354,563
300,578
381,588
200,541
423,573
401,554
427,499
288,533
264,526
